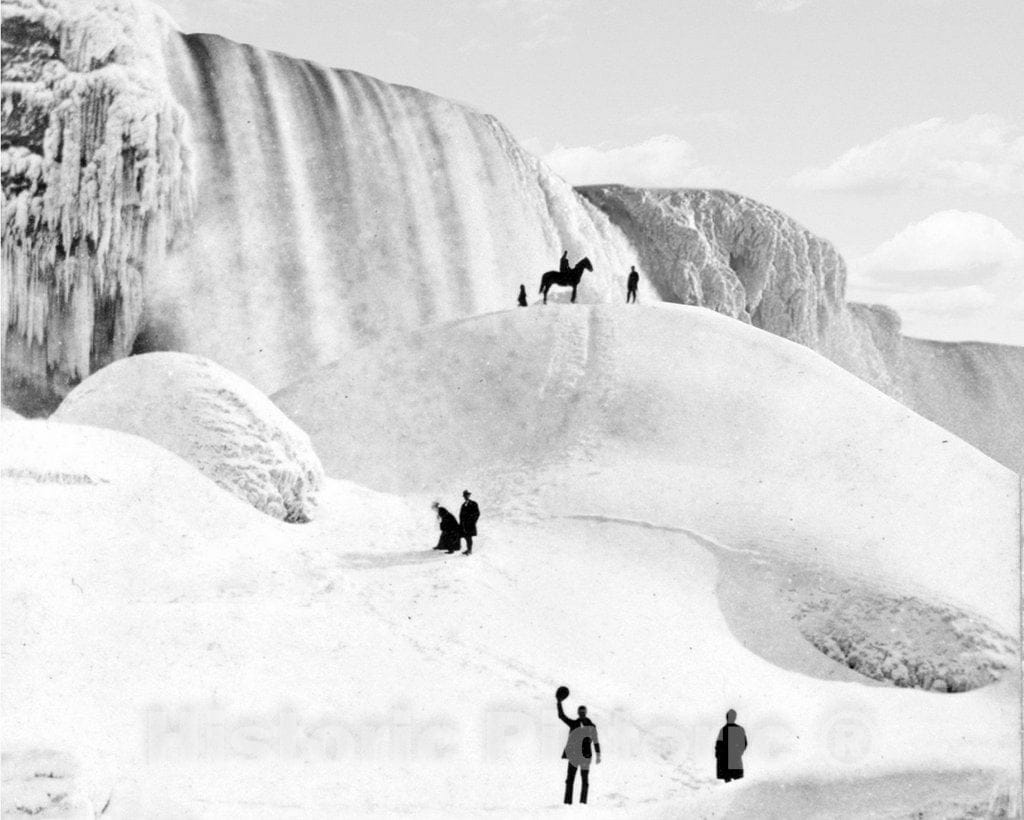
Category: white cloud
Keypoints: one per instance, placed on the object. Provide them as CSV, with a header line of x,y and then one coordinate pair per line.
x,y
665,161
983,154
948,247
953,275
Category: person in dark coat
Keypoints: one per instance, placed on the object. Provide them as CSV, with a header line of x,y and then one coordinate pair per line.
x,y
581,742
563,263
469,514
631,283
450,530
729,748
522,296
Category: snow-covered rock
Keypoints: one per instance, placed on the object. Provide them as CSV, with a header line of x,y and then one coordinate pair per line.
x,y
213,419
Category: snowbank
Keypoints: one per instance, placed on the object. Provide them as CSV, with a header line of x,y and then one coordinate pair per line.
x,y
213,419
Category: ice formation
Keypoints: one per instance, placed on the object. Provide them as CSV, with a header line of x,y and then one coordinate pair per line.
x,y
748,260
213,419
96,179
338,209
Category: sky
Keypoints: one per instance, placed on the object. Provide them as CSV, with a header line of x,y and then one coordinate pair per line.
x,y
893,128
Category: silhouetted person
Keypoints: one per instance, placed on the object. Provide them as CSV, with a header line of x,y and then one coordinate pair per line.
x,y
729,748
522,296
450,532
631,283
468,516
582,740
563,263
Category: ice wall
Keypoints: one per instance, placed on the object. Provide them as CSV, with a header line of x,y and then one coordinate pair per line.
x,y
335,208
96,180
750,261
332,208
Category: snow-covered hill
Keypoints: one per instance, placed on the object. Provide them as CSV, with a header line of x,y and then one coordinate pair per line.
x,y
717,427
671,535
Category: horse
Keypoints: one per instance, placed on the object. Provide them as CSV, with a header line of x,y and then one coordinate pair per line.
x,y
566,280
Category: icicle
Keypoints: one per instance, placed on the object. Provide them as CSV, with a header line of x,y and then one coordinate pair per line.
x,y
108,176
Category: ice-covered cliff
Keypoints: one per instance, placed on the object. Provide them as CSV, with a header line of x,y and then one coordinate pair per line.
x,y
335,208
332,207
750,261
166,191
96,180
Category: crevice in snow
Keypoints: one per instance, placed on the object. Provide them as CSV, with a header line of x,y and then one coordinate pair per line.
x,y
892,638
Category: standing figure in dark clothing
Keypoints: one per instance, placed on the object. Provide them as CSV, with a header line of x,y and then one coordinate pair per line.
x,y
563,263
631,282
582,740
729,748
522,296
450,531
468,516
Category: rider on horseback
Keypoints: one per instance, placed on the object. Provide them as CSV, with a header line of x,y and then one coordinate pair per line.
x,y
563,263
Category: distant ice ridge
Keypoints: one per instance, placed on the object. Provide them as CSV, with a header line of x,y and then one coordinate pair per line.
x,y
211,418
747,260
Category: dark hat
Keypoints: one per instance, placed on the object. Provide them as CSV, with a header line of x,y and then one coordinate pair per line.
x,y
466,493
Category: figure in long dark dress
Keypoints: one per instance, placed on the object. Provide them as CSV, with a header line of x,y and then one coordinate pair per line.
x,y
729,748
451,532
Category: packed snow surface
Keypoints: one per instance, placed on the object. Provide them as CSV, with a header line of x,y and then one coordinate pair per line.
x,y
202,660
213,419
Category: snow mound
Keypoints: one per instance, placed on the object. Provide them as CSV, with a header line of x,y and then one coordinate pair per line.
x,y
682,418
213,419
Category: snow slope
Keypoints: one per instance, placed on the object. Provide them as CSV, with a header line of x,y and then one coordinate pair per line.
x,y
213,419
203,660
679,417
